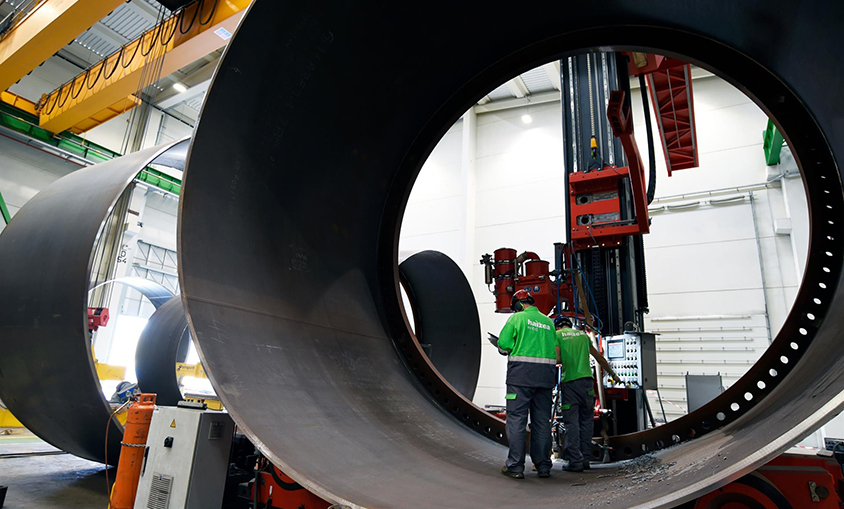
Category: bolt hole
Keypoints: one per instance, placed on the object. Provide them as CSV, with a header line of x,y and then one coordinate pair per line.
x,y
822,285
660,444
829,207
692,433
644,447
802,331
437,392
794,346
628,451
675,439
465,417
772,372
810,316
446,401
826,269
455,409
816,300
720,416
735,407
476,423
487,430
828,253
705,425
784,359
499,435
761,384
748,396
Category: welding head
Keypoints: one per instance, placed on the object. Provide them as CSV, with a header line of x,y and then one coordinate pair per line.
x,y
519,299
562,321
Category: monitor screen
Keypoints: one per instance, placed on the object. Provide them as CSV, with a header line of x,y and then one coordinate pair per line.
x,y
615,349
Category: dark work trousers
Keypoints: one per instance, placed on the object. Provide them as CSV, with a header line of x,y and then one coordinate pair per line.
x,y
537,402
578,401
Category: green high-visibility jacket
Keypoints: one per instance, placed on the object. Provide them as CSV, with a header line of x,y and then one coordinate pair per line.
x,y
529,337
574,354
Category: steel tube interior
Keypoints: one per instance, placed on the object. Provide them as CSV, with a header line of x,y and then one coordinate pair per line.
x,y
289,229
47,374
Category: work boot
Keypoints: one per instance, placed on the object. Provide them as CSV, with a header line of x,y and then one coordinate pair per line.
x,y
514,475
544,474
573,468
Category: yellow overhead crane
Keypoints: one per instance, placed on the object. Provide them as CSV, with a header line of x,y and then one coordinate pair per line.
x,y
106,89
44,31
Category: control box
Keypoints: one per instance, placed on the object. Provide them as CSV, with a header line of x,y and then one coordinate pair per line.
x,y
187,459
632,356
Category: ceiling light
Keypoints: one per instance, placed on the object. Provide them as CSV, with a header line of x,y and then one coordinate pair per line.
x,y
527,119
180,88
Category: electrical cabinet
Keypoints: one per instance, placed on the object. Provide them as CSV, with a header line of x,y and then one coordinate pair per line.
x,y
187,459
632,356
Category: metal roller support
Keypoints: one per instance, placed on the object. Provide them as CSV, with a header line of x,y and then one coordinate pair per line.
x,y
290,224
445,316
163,342
47,375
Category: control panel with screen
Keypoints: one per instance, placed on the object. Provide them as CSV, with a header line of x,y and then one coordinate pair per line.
x,y
633,357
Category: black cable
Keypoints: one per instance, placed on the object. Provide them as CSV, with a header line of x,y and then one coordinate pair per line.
x,y
74,96
287,486
88,76
116,63
192,20
176,24
62,102
134,53
210,16
158,30
643,89
47,104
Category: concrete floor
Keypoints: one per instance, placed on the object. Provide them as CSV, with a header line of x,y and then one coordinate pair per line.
x,y
51,480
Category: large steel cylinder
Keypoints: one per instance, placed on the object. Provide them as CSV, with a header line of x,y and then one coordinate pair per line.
x,y
47,374
290,222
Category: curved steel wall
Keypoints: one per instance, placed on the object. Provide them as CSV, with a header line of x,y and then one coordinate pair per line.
x,y
289,267
47,375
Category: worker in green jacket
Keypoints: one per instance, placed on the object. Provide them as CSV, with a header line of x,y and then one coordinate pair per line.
x,y
528,340
577,391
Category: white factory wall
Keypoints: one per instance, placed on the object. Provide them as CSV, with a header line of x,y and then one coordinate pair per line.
x,y
703,260
24,171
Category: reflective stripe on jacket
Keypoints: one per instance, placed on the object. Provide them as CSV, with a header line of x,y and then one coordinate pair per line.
x,y
529,337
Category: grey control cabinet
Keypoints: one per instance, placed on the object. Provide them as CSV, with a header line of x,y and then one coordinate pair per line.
x,y
187,459
633,357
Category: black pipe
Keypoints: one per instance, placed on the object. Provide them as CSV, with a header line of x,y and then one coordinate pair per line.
x,y
651,155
